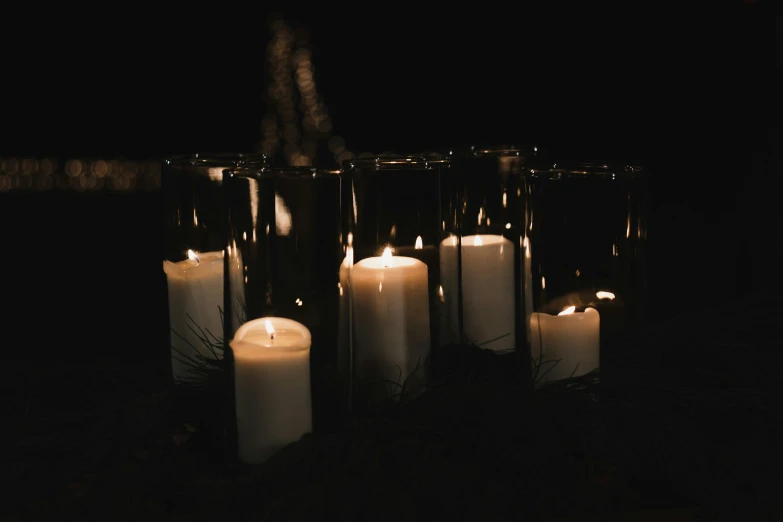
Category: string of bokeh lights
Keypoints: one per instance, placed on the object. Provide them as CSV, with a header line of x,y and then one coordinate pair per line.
x,y
112,175
294,129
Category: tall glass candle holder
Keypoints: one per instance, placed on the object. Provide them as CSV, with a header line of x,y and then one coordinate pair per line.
x,y
584,244
194,241
284,254
491,218
393,223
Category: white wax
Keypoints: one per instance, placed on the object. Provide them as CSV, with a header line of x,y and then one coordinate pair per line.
x,y
487,289
195,300
272,385
573,339
391,318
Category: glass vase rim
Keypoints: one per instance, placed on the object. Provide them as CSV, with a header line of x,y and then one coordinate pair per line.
x,y
305,172
216,159
392,162
577,169
492,151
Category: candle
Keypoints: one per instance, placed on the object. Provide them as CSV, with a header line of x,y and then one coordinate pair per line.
x,y
572,338
272,385
487,289
195,288
391,319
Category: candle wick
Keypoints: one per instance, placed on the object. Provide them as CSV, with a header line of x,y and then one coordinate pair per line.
x,y
272,335
194,256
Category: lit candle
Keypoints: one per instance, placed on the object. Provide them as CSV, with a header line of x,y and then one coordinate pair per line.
x,y
391,319
487,288
572,338
272,385
195,288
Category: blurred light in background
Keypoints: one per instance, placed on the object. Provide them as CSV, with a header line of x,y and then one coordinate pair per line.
x,y
297,124
80,174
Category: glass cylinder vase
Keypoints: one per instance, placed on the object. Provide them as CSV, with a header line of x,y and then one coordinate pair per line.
x,y
283,255
491,218
194,242
586,228
393,223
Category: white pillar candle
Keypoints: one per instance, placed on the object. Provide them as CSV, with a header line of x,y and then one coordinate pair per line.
x,y
391,318
195,288
487,288
570,338
272,385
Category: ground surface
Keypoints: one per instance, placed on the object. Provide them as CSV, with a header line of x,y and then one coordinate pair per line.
x,y
677,439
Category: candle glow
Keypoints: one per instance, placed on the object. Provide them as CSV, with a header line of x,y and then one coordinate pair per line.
x,y
568,311
386,257
270,329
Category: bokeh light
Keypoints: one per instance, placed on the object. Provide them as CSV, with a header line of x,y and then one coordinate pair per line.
x,y
80,174
298,122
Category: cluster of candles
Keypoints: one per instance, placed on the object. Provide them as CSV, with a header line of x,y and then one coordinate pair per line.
x,y
391,320
388,296
271,355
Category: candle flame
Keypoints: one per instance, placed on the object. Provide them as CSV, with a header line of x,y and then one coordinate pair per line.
x,y
419,243
477,241
601,294
568,311
270,329
508,226
348,261
386,257
504,199
244,236
195,218
193,256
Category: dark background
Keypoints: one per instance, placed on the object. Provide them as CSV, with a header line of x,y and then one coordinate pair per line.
x,y
693,96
